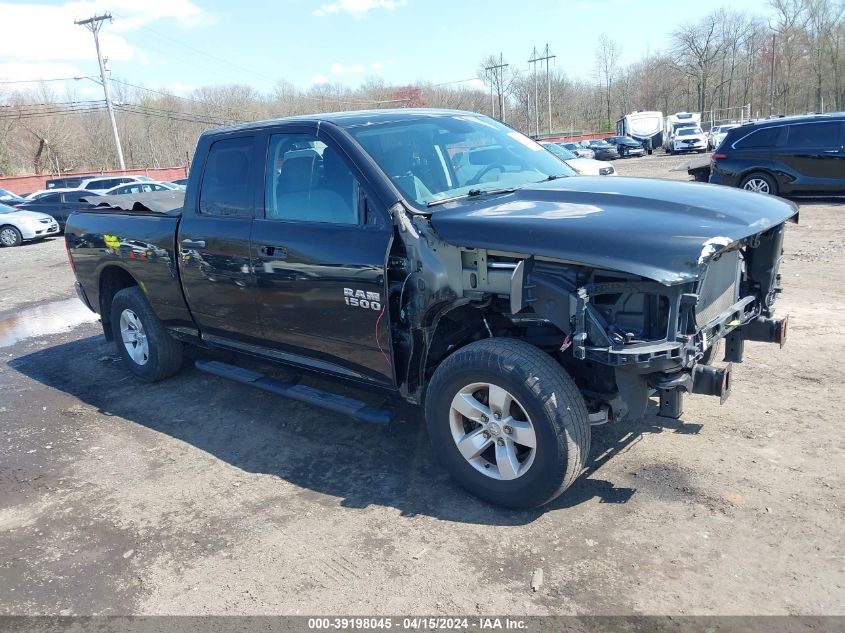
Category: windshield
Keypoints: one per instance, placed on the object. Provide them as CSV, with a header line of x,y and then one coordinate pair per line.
x,y
7,195
688,131
5,208
559,151
435,158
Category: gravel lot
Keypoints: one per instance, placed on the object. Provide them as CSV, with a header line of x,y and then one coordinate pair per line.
x,y
198,496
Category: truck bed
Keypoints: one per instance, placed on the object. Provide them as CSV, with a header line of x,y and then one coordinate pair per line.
x,y
134,234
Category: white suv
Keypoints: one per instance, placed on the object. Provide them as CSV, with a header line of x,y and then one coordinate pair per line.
x,y
103,183
688,139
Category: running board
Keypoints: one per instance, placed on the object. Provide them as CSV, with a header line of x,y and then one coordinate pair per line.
x,y
302,393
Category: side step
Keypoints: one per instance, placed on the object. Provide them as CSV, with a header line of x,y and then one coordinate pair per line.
x,y
303,393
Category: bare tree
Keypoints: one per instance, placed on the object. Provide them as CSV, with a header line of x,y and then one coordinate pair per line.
x,y
493,72
697,48
607,67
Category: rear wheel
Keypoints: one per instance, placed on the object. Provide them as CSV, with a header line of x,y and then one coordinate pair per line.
x,y
145,346
759,183
508,423
10,236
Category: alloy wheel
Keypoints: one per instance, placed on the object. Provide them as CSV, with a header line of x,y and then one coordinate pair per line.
x,y
134,337
492,431
757,184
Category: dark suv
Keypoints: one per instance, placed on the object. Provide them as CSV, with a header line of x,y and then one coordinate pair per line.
x,y
787,156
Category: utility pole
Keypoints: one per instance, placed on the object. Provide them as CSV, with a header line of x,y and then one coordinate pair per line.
x,y
533,62
547,57
94,25
535,59
772,80
499,70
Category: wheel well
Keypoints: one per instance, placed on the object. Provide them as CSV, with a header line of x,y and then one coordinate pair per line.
x,y
756,170
113,279
467,323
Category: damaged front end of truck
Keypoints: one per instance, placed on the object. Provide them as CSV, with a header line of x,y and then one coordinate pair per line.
x,y
630,314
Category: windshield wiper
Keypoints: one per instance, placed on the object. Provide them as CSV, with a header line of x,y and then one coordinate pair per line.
x,y
553,177
472,193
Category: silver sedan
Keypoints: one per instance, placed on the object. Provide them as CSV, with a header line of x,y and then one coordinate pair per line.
x,y
18,226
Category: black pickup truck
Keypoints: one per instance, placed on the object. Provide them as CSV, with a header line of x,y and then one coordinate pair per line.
x,y
443,258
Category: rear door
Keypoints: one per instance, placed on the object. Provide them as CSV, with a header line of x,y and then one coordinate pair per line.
x,y
319,250
814,151
213,239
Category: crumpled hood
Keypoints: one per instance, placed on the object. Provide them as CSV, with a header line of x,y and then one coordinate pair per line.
x,y
658,229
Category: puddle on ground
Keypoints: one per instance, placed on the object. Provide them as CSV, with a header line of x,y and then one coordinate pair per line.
x,y
50,318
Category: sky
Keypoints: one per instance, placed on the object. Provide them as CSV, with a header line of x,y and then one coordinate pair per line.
x,y
179,45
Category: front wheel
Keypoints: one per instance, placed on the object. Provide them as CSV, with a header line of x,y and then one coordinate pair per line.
x,y
10,236
145,346
508,422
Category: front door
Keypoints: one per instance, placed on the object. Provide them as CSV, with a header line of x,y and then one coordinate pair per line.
x,y
213,241
319,260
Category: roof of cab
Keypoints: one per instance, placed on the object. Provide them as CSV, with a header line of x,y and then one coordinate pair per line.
x,y
351,118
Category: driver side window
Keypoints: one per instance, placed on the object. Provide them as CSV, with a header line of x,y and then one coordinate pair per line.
x,y
308,181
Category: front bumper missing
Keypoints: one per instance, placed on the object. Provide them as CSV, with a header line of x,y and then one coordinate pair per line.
x,y
716,381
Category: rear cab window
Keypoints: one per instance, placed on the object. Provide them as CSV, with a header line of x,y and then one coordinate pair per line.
x,y
226,189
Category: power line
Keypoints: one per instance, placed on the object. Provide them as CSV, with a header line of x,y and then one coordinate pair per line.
x,y
242,69
38,81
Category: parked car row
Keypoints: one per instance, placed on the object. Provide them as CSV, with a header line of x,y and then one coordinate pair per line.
x,y
44,213
582,166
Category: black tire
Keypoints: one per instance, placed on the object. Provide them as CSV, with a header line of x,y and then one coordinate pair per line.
x,y
164,356
11,236
547,395
759,176
716,352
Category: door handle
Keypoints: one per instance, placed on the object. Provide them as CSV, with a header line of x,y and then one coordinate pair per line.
x,y
274,252
193,243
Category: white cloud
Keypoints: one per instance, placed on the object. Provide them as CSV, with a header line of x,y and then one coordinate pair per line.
x,y
319,79
16,70
376,65
476,83
357,8
47,33
340,69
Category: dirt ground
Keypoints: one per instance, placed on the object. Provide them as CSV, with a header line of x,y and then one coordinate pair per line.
x,y
200,496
